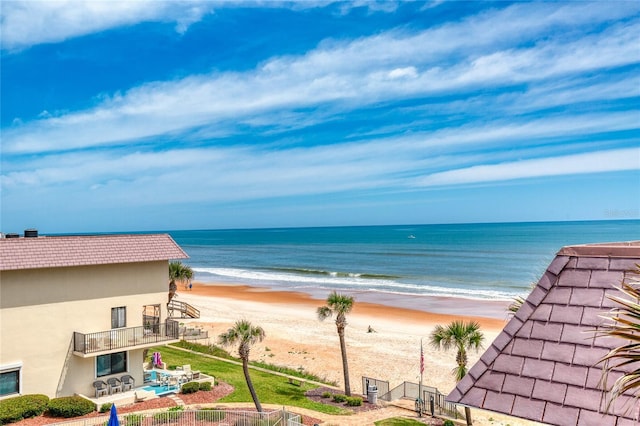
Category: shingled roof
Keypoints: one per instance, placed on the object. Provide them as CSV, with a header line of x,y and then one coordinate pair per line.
x,y
544,366
49,252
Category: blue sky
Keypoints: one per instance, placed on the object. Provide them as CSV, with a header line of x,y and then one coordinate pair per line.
x,y
160,115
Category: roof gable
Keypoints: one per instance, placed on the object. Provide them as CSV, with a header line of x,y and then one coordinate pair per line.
x,y
543,365
65,251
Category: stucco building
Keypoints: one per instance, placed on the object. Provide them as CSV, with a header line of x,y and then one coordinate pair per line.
x,y
74,309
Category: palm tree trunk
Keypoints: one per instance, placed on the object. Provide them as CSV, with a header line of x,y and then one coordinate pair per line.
x,y
467,414
247,377
345,366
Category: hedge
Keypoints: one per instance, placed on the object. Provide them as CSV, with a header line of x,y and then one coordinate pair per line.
x,y
70,406
22,407
190,387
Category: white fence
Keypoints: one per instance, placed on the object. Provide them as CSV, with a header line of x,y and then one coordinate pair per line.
x,y
213,417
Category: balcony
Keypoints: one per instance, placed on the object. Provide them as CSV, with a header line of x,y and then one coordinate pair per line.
x,y
93,344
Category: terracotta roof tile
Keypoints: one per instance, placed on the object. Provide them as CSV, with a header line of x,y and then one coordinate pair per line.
x,y
526,347
558,296
544,365
560,415
529,408
603,279
63,251
549,391
593,418
503,402
560,352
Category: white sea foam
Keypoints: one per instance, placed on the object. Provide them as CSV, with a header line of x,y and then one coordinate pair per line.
x,y
353,282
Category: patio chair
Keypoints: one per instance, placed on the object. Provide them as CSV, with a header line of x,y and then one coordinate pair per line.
x,y
173,382
191,374
115,385
127,382
101,388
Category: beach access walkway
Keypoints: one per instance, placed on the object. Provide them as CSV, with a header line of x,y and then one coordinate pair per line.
x,y
364,418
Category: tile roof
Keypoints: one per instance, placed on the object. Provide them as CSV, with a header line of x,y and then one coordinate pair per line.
x,y
544,366
48,252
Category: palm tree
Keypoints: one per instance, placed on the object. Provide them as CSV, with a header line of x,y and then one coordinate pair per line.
x,y
462,336
339,305
625,325
177,272
245,335
518,301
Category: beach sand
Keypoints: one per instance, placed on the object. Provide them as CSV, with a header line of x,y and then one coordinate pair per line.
x,y
297,339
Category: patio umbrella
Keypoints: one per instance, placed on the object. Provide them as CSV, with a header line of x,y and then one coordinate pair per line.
x,y
113,417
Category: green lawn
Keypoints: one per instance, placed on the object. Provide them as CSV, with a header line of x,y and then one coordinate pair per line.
x,y
271,389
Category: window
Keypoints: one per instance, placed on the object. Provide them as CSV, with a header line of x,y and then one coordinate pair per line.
x,y
119,317
9,382
111,364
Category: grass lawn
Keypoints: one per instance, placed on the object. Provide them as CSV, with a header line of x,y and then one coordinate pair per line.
x,y
271,389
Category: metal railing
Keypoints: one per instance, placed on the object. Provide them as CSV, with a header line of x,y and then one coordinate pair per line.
x,y
381,385
119,338
405,390
190,333
441,407
430,395
197,418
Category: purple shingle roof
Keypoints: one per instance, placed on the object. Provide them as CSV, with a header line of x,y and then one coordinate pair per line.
x,y
48,252
544,366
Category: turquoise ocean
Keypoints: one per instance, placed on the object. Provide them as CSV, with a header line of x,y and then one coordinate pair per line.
x,y
496,261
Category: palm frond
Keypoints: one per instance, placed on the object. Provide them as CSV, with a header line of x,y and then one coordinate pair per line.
x,y
625,325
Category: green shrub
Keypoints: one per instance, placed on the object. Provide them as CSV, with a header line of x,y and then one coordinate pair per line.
x,y
70,406
190,387
106,407
339,397
354,401
448,423
171,415
22,407
210,414
133,419
326,394
205,386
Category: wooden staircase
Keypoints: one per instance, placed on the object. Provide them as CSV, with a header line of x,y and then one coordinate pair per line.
x,y
185,309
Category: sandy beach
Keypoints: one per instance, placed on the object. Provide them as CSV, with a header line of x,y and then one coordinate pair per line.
x,y
297,339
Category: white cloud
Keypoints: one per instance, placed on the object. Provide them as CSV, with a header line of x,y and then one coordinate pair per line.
x,y
26,23
344,75
591,162
406,72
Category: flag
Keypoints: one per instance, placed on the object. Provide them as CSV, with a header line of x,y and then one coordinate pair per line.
x,y
421,359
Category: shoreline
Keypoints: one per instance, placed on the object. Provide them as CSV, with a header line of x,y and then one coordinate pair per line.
x,y
492,314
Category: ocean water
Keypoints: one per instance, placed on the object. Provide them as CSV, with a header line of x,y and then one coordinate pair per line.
x,y
475,261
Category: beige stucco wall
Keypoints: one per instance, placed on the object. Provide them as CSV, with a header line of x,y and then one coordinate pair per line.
x,y
41,308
